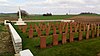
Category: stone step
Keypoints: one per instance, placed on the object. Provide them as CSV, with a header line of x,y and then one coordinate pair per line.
x,y
17,54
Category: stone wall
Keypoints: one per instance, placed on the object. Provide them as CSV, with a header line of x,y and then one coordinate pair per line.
x,y
16,39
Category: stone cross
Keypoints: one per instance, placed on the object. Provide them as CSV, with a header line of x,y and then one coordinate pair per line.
x,y
20,14
20,21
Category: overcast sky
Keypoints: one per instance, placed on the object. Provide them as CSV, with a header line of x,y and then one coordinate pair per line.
x,y
53,6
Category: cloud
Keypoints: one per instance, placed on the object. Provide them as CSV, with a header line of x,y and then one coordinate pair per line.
x,y
66,1
54,6
3,1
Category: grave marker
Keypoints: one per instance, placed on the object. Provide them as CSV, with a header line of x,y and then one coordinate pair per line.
x,y
42,41
75,27
66,28
80,33
71,38
30,32
47,30
60,30
54,29
98,30
92,30
24,28
39,32
55,39
84,27
71,30
71,34
87,33
63,38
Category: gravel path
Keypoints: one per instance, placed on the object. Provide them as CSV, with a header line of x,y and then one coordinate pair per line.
x,y
39,20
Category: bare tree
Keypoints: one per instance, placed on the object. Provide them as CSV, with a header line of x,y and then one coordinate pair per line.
x,y
23,13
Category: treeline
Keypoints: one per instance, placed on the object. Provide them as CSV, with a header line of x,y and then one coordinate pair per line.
x,y
48,14
87,13
23,13
7,14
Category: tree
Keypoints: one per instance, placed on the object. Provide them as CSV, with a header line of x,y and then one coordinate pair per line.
x,y
48,14
66,13
23,13
87,13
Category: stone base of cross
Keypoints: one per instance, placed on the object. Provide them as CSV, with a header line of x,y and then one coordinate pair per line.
x,y
20,22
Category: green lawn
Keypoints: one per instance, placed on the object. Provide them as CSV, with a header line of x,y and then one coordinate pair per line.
x,y
83,48
37,17
40,17
89,47
54,17
2,28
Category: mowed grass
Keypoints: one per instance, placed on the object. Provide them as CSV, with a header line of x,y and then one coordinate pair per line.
x,y
40,17
36,17
3,28
89,47
54,17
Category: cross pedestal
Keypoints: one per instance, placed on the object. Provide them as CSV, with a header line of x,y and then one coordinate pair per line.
x,y
20,22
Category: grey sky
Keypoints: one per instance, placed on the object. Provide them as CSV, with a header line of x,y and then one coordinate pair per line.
x,y
53,6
